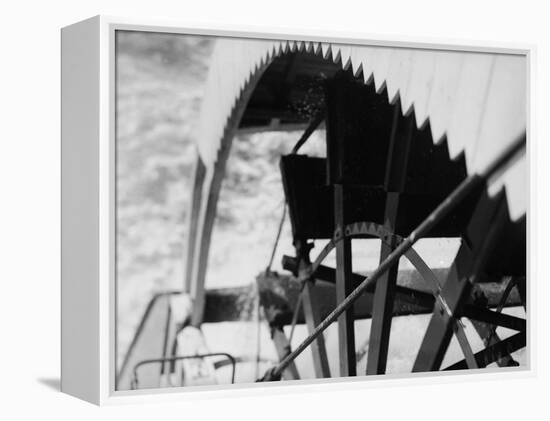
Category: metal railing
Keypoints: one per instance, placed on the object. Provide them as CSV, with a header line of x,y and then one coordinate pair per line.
x,y
135,382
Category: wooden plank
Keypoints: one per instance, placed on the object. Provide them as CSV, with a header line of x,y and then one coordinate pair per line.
x,y
448,68
398,73
320,359
504,116
381,57
420,85
468,105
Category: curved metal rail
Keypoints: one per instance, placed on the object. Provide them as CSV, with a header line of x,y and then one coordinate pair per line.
x,y
233,362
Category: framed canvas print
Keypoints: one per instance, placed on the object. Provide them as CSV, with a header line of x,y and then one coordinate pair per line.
x,y
253,210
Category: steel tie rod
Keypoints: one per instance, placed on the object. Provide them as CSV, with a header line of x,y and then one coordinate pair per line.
x,y
461,192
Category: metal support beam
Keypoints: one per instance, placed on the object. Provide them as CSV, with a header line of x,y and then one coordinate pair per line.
x,y
311,310
464,344
399,150
494,352
204,233
344,286
205,218
384,295
311,313
311,127
481,233
192,222
495,318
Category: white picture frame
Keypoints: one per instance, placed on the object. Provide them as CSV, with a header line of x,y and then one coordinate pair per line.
x,y
88,210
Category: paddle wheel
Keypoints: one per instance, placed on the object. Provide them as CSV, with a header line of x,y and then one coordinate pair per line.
x,y
419,144
382,177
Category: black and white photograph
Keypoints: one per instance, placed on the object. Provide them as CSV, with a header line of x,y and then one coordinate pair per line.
x,y
292,210
275,211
